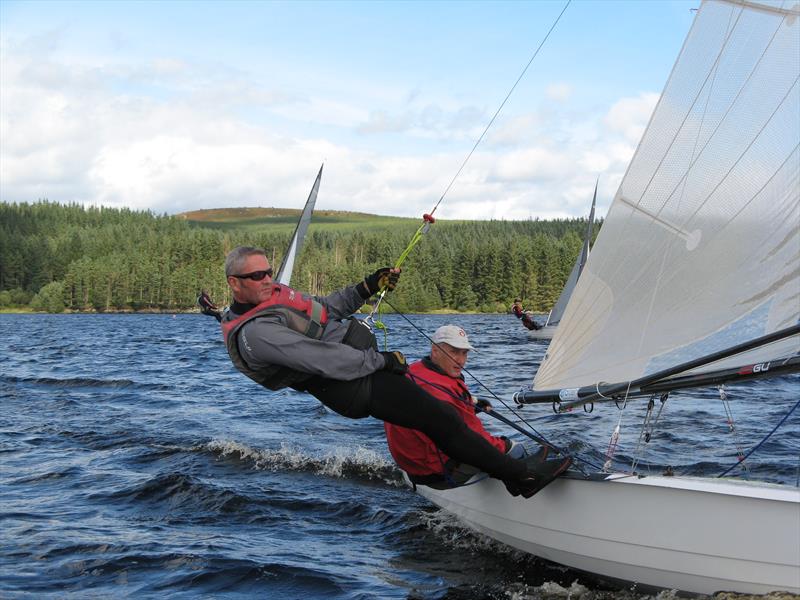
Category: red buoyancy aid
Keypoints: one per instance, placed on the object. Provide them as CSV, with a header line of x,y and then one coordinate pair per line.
x,y
300,313
412,450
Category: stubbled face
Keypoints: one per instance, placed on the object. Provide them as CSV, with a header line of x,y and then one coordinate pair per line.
x,y
449,359
249,291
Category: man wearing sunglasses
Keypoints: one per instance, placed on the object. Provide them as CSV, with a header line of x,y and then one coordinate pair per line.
x,y
282,338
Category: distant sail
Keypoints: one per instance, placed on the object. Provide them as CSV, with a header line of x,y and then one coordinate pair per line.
x,y
700,250
284,275
561,304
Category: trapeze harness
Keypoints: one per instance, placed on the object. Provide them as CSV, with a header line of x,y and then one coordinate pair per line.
x,y
299,312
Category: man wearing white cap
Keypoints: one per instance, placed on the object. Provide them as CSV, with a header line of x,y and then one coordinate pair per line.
x,y
440,375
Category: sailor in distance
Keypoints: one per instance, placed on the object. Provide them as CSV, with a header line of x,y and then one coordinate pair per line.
x,y
520,313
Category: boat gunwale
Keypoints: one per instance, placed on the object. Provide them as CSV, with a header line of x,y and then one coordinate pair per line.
x,y
712,485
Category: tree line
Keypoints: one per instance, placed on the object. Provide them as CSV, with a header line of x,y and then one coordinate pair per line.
x,y
56,257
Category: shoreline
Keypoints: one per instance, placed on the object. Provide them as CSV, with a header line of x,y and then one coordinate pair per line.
x,y
27,311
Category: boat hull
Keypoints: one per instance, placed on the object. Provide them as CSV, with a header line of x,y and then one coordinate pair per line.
x,y
545,333
690,534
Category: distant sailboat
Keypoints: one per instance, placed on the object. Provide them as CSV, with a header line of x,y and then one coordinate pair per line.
x,y
284,276
554,318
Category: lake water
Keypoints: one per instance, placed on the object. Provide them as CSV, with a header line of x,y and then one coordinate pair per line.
x,y
136,462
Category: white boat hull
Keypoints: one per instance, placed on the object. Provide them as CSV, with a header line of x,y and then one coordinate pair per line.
x,y
691,534
545,333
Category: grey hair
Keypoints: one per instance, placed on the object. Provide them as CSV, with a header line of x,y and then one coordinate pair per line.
x,y
236,258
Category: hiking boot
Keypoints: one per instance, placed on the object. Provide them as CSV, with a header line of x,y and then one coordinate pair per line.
x,y
539,474
512,487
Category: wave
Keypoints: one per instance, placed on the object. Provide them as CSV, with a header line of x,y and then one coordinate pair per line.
x,y
122,571
82,382
341,462
250,576
454,534
181,496
178,498
69,472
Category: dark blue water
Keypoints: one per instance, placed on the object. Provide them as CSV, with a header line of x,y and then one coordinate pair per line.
x,y
135,462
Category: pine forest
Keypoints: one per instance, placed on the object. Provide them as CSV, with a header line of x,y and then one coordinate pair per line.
x,y
57,257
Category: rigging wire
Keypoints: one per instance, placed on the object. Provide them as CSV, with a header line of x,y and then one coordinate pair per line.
x,y
502,104
761,443
723,395
648,427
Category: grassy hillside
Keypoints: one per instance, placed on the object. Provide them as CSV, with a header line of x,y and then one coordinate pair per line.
x,y
279,219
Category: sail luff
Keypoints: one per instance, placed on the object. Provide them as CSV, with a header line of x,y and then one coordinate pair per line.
x,y
284,275
563,299
560,306
587,238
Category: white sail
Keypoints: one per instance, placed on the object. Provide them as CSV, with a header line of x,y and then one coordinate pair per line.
x,y
700,250
284,275
554,318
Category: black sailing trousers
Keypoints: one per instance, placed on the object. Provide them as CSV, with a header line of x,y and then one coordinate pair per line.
x,y
397,400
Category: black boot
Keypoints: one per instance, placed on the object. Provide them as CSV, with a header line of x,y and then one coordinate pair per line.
x,y
539,474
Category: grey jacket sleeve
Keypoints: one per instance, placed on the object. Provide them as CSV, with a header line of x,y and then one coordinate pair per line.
x,y
342,303
266,342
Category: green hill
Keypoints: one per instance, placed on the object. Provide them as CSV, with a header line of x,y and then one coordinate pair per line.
x,y
280,219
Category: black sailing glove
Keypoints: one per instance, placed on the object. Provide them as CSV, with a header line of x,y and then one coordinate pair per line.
x,y
395,362
482,405
382,278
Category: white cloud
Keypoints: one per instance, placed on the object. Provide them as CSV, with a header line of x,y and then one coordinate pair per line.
x,y
532,164
516,130
559,92
173,136
629,116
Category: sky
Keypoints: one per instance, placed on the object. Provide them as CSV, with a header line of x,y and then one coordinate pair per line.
x,y
178,106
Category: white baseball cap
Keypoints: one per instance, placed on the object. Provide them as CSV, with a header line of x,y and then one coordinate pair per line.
x,y
452,335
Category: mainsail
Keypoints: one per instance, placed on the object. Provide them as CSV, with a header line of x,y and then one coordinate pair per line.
x,y
284,275
554,318
700,251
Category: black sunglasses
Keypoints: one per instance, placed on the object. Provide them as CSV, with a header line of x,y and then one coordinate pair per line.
x,y
255,275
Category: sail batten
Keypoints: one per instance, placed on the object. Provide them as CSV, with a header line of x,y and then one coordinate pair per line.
x,y
701,246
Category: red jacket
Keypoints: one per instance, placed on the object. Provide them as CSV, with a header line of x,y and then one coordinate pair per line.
x,y
413,451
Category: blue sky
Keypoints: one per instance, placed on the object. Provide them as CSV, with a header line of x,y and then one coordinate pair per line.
x,y
177,106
